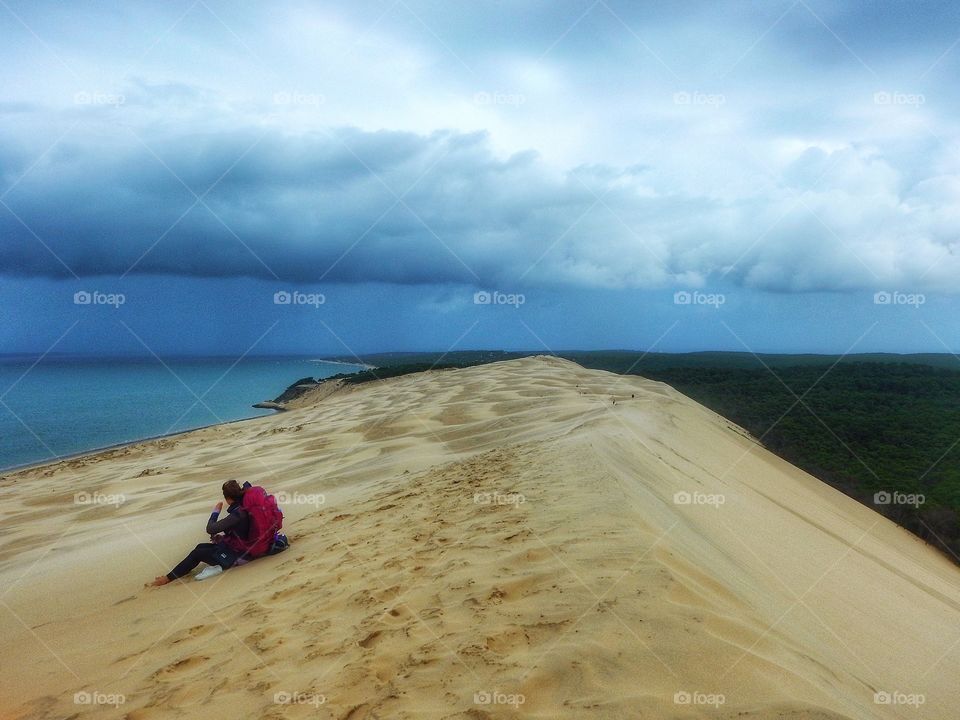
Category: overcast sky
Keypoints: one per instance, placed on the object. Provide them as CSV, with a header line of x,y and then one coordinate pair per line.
x,y
772,176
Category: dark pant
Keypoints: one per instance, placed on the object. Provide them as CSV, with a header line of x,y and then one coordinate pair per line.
x,y
209,553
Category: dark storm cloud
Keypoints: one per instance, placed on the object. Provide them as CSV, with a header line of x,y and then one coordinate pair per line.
x,y
300,207
348,205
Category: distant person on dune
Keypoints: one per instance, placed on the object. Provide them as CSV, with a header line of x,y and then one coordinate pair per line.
x,y
248,531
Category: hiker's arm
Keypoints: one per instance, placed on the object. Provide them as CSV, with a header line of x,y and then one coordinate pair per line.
x,y
215,526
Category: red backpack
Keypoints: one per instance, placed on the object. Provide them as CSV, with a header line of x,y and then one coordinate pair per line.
x,y
265,520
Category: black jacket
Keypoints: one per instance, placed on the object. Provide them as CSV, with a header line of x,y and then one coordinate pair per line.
x,y
236,522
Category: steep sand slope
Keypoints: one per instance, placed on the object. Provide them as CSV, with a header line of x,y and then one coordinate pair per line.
x,y
502,541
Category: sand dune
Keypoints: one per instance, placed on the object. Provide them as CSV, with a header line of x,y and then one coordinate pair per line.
x,y
523,539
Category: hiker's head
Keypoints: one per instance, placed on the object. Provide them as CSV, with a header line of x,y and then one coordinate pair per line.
x,y
232,492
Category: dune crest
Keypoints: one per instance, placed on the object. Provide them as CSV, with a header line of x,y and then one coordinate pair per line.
x,y
521,539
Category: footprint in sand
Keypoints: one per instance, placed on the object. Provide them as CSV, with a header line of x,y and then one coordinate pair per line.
x,y
396,616
175,670
190,633
370,640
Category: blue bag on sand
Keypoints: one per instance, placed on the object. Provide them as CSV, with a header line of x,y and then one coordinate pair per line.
x,y
280,543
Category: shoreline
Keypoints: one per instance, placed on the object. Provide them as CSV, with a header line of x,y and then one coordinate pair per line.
x,y
365,366
115,446
13,469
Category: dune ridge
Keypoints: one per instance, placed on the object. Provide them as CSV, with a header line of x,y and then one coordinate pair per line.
x,y
521,539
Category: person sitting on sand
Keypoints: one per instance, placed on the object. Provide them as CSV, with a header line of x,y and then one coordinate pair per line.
x,y
218,554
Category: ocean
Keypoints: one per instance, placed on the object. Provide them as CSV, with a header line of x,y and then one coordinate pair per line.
x,y
67,405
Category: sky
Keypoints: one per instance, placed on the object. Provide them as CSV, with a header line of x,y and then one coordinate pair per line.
x,y
204,177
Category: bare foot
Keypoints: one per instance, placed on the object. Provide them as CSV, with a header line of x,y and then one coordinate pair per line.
x,y
158,581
